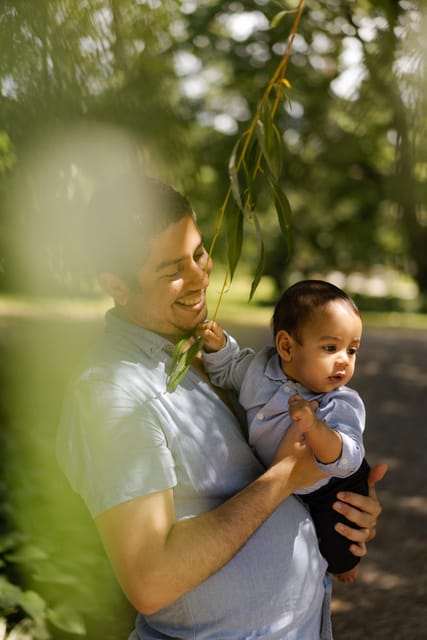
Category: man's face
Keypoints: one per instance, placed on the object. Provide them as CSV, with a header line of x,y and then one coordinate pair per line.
x,y
170,299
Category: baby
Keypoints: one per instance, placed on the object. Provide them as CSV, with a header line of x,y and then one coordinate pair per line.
x,y
317,330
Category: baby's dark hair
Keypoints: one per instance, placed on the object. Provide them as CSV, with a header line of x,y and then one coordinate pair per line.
x,y
297,304
122,219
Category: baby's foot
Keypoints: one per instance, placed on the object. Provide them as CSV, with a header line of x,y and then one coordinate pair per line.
x,y
348,576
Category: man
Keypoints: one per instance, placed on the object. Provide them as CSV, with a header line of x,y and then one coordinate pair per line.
x,y
205,542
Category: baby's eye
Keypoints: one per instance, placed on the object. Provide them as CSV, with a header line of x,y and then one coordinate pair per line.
x,y
330,348
352,351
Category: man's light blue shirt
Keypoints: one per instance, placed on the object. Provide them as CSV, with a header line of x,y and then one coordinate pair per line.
x,y
123,436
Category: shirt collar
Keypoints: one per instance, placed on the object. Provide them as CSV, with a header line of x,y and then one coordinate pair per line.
x,y
274,371
149,342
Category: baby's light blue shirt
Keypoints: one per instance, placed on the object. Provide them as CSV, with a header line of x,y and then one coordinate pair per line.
x,y
264,392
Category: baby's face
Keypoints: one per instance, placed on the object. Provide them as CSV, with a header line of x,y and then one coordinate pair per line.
x,y
325,357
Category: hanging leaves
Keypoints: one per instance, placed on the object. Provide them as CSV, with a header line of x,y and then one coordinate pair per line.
x,y
258,152
270,142
284,213
235,223
259,270
182,358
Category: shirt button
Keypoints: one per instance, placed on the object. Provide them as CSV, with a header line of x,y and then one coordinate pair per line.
x,y
344,461
169,347
287,388
260,416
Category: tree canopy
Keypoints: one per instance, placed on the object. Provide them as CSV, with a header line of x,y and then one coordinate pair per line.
x,y
174,84
184,79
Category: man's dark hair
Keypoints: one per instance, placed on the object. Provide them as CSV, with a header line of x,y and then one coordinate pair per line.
x,y
297,304
124,217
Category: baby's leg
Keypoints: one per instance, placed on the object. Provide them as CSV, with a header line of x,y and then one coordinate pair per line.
x,y
348,576
333,546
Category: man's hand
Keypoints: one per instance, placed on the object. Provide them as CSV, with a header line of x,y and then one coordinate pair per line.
x,y
362,510
303,413
295,451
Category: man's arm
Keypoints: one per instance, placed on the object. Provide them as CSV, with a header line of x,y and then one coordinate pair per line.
x,y
326,443
158,559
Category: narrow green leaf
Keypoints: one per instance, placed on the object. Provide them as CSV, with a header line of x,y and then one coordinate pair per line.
x,y
9,540
178,353
234,238
52,574
261,257
191,353
276,20
177,372
284,212
250,188
270,142
260,133
277,152
27,554
10,594
33,604
67,619
234,174
181,361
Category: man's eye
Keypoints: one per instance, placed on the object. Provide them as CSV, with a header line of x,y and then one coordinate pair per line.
x,y
201,257
173,274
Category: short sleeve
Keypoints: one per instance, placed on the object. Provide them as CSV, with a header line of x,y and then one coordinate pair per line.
x,y
111,446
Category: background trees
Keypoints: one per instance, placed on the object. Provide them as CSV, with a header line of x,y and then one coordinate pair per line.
x,y
185,78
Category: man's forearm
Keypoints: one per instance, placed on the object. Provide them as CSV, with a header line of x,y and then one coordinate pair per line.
x,y
198,547
157,562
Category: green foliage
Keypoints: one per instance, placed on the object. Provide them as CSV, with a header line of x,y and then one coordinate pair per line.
x,y
7,155
352,163
55,579
184,353
361,152
259,150
15,602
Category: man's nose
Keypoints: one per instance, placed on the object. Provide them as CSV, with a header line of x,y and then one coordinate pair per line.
x,y
199,274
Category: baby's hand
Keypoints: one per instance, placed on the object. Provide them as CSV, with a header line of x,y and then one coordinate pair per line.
x,y
212,334
303,412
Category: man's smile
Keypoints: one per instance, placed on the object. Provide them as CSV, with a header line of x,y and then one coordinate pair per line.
x,y
192,300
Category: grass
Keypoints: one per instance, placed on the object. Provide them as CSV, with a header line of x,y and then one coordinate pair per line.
x,y
234,307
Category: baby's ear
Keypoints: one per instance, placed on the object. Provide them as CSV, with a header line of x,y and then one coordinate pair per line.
x,y
284,342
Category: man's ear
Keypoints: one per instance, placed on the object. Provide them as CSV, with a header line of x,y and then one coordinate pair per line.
x,y
114,286
284,344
